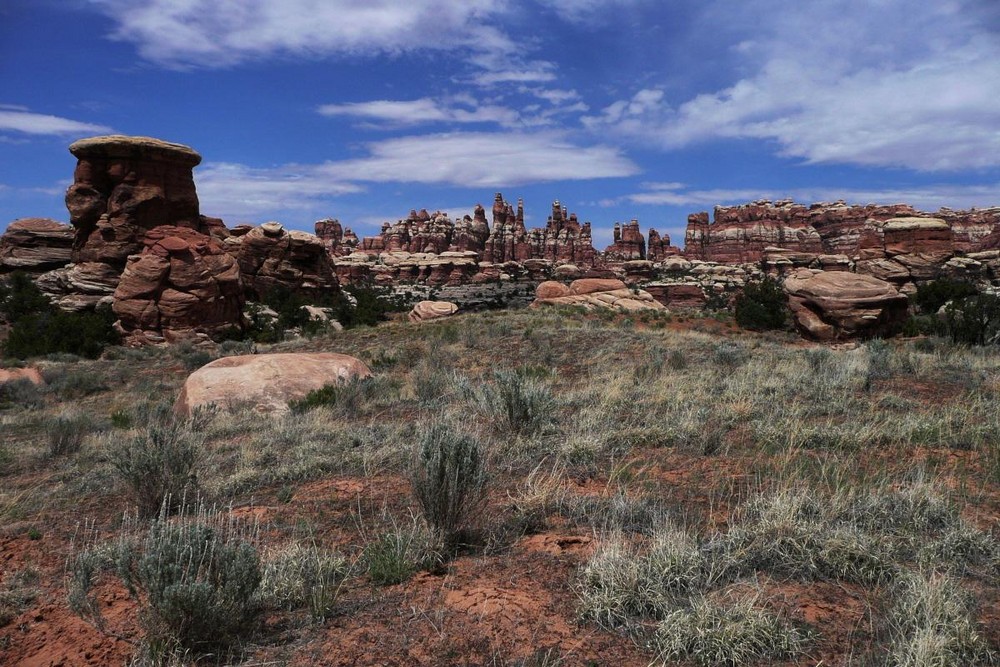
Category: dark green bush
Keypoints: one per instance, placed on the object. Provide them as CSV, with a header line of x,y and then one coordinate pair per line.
x,y
39,328
449,480
931,296
974,320
762,306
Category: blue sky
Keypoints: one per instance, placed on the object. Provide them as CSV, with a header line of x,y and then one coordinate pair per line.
x,y
364,109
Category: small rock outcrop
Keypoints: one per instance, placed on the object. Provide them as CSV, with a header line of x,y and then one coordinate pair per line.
x,y
829,305
593,293
432,310
183,284
267,382
35,245
271,257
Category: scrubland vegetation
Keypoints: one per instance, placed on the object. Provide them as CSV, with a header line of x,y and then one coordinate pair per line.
x,y
663,489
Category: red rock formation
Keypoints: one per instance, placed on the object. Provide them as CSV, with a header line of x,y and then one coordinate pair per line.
x,y
628,245
272,257
35,245
837,304
125,186
183,283
878,237
659,247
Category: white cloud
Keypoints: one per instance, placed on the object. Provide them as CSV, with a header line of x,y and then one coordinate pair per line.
x,y
844,81
214,33
19,119
424,110
230,190
480,159
577,11
236,191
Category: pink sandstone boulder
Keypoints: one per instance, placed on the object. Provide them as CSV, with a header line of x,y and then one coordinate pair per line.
x,y
836,304
432,310
267,382
594,293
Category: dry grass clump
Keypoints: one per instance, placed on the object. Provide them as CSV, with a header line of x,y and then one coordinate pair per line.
x,y
933,625
736,633
303,574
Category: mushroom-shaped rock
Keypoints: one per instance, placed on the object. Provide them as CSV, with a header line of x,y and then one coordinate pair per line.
x,y
267,382
838,304
432,310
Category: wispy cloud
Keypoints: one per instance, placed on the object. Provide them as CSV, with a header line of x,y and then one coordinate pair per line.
x,y
483,159
213,33
236,191
423,110
19,119
473,160
884,100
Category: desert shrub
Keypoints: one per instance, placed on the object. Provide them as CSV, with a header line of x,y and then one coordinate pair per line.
x,y
367,306
66,433
448,476
18,590
932,295
157,464
304,575
396,555
195,578
20,297
710,633
933,625
974,320
70,383
730,355
346,397
762,306
20,394
513,403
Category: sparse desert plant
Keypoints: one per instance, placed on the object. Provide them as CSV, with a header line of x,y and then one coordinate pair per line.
x,y
933,625
713,634
515,404
18,589
448,477
195,578
20,394
397,554
302,574
157,464
66,433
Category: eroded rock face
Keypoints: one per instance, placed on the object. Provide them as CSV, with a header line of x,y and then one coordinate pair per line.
x,y
267,382
628,245
592,293
432,310
272,257
183,283
894,242
35,245
829,305
125,186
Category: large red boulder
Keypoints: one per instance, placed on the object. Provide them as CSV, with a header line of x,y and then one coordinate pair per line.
x,y
829,305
